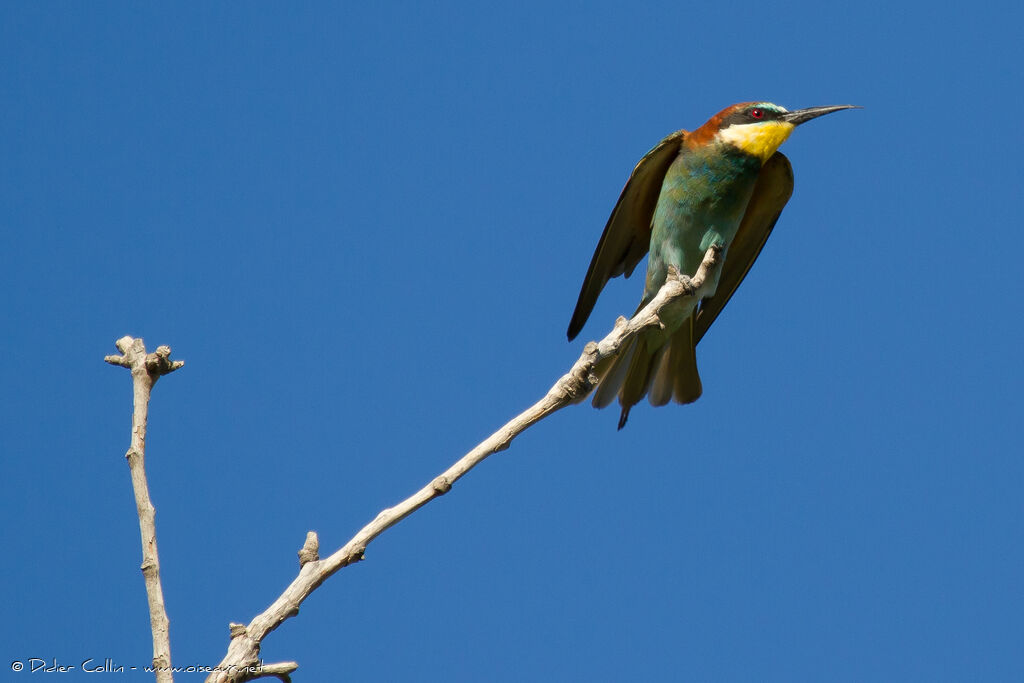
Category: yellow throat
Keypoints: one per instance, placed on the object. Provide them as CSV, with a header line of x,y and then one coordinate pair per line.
x,y
759,139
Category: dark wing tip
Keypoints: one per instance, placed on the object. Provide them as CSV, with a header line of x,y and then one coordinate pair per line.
x,y
579,319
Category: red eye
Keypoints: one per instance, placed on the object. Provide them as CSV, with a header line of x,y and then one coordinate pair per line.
x,y
757,113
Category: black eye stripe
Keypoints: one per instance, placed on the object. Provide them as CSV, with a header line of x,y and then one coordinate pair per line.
x,y
749,116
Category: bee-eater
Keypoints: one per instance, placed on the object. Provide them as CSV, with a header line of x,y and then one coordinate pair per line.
x,y
726,184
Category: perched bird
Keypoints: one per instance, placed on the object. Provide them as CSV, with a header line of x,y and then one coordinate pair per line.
x,y
723,184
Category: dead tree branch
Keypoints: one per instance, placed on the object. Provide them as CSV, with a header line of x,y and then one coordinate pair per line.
x,y
146,369
241,663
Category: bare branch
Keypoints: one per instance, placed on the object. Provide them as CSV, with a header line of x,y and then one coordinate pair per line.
x,y
677,295
278,670
146,370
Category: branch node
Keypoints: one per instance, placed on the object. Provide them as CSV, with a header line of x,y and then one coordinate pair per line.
x,y
441,485
310,551
134,356
159,362
237,630
358,554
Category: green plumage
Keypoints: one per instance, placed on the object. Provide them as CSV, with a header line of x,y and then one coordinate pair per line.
x,y
724,183
701,202
691,191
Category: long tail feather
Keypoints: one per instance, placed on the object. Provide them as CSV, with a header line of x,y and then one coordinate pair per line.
x,y
666,373
687,386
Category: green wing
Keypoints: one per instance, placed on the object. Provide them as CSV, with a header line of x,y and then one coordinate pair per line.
x,y
772,191
627,236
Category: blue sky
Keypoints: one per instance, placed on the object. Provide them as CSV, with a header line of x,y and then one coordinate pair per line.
x,y
364,229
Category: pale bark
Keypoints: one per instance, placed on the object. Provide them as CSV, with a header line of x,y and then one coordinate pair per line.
x,y
242,662
146,369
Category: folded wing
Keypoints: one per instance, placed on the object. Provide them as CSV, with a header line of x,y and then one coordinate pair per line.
x,y
772,191
627,235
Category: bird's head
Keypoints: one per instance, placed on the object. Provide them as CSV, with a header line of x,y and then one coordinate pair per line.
x,y
756,128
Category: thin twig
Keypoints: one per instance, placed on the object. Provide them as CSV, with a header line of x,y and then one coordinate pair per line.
x,y
241,663
146,370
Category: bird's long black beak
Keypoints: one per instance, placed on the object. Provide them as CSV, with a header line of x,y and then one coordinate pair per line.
x,y
802,115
